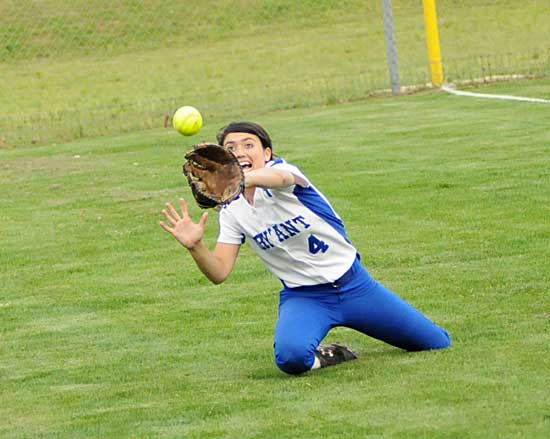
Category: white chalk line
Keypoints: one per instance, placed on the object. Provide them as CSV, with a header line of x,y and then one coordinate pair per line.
x,y
491,96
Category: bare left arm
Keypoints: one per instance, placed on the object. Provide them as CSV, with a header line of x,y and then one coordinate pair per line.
x,y
270,178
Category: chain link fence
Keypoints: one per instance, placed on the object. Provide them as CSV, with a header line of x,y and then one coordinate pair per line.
x,y
98,67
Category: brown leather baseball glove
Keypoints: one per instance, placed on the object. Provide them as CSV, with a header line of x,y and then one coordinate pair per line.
x,y
214,175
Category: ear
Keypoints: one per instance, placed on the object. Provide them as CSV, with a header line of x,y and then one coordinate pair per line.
x,y
268,155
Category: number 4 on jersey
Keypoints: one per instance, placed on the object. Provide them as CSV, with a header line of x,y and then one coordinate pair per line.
x,y
316,245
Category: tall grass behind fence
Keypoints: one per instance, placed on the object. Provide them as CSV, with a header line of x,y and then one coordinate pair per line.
x,y
87,68
492,38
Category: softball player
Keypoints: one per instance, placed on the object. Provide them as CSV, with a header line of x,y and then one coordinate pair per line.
x,y
301,239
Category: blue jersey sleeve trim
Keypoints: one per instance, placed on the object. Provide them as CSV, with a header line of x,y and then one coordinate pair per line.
x,y
310,198
277,161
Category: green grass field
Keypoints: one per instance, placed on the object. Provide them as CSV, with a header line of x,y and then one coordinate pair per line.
x,y
109,330
94,67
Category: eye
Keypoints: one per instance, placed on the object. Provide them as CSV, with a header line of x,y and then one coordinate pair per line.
x,y
229,148
249,145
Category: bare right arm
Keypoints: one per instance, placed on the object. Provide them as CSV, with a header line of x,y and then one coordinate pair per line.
x,y
216,265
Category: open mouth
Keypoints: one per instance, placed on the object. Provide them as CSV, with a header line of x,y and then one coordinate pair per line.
x,y
246,166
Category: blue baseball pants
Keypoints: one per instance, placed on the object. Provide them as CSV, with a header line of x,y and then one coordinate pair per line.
x,y
307,314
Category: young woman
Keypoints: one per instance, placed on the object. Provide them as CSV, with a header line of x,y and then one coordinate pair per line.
x,y
301,239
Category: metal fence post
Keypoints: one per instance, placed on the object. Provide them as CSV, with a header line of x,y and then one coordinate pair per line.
x,y
391,49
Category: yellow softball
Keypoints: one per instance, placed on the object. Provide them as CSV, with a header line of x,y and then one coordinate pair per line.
x,y
187,120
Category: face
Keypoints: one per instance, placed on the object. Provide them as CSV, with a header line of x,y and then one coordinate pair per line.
x,y
248,149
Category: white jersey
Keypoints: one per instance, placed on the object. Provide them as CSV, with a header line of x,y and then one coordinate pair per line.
x,y
294,230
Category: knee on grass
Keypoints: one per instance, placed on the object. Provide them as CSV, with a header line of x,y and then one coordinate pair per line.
x,y
441,341
293,359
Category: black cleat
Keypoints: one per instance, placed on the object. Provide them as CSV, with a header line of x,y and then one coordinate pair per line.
x,y
334,353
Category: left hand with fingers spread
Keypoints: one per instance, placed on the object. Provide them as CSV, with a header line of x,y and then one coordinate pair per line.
x,y
215,265
182,227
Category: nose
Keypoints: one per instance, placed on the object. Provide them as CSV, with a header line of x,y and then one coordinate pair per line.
x,y
238,150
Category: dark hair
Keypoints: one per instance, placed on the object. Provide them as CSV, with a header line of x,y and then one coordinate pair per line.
x,y
245,127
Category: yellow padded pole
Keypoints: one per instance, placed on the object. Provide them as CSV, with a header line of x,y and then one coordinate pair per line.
x,y
432,41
